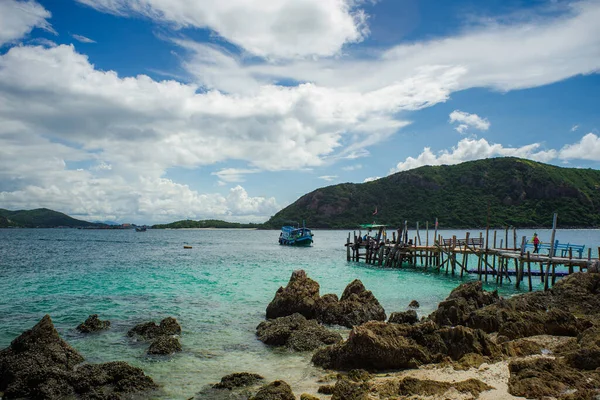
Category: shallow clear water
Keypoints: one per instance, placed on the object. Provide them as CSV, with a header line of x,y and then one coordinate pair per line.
x,y
218,290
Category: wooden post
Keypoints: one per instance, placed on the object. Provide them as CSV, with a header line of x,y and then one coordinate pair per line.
x,y
465,254
453,254
506,237
551,254
426,244
405,231
515,237
529,271
394,236
418,234
570,262
348,247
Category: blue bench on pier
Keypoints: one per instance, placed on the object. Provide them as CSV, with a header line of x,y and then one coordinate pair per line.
x,y
561,249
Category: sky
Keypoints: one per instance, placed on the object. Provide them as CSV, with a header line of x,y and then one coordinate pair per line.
x,y
152,111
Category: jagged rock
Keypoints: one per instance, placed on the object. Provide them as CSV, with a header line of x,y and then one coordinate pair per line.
x,y
118,377
414,304
306,396
93,324
587,355
296,332
356,306
545,377
523,316
404,317
278,390
380,346
164,345
461,302
594,268
39,364
347,389
521,348
325,389
416,387
149,330
299,296
238,379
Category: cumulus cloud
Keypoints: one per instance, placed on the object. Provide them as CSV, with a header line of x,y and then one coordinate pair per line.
x,y
371,179
271,29
474,149
83,39
588,148
466,121
18,18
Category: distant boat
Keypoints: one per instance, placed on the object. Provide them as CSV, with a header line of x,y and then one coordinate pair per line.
x,y
296,236
140,229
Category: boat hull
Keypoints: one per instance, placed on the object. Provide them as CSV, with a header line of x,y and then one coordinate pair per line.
x,y
300,242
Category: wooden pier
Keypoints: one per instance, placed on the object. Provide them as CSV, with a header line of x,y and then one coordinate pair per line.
x,y
470,255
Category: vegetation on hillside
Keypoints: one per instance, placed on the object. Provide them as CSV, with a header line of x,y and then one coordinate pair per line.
x,y
39,218
511,191
209,223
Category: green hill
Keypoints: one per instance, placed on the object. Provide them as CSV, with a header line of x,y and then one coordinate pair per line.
x,y
209,223
39,218
518,192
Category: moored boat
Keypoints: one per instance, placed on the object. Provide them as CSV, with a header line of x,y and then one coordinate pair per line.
x,y
140,229
296,236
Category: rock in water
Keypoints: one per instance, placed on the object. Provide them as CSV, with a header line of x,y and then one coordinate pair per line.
x,y
278,390
380,346
356,306
404,317
299,296
467,297
414,304
164,345
238,379
93,324
149,330
39,364
296,332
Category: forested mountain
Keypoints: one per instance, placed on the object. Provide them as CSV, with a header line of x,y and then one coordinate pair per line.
x,y
39,218
511,191
208,223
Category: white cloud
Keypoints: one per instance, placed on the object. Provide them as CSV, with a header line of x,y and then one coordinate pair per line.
x,y
474,149
234,174
282,28
371,179
588,148
18,18
328,178
467,121
574,128
83,39
352,167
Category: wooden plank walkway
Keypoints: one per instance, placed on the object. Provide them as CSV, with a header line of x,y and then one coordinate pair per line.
x,y
452,256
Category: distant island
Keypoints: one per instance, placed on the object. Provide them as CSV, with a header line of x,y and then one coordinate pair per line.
x,y
502,191
40,218
208,223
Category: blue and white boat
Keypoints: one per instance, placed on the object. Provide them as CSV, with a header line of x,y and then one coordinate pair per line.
x,y
296,236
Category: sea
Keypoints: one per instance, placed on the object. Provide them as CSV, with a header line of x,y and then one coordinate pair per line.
x,y
218,290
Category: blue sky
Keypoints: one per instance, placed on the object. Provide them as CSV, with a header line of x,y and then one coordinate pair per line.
x,y
152,110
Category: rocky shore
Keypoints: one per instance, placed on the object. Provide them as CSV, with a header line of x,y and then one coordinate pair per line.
x,y
476,344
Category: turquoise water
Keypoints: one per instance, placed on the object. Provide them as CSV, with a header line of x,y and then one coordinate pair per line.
x,y
218,290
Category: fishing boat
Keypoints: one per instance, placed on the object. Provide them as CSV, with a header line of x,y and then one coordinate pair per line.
x,y
296,236
140,229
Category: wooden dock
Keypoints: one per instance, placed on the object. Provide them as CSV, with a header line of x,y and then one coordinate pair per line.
x,y
469,255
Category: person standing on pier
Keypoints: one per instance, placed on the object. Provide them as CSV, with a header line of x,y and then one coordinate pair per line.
x,y
536,243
